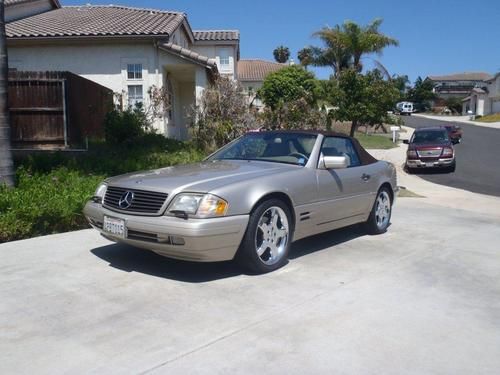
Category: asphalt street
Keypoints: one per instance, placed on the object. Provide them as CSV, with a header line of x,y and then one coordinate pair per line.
x,y
414,300
478,158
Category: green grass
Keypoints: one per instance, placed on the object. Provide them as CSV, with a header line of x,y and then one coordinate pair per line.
x,y
52,188
375,141
495,117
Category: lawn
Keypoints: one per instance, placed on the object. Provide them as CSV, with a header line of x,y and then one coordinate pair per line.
x,y
495,117
375,141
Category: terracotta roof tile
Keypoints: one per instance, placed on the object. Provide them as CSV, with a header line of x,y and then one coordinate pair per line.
x,y
216,35
92,20
189,54
466,76
256,70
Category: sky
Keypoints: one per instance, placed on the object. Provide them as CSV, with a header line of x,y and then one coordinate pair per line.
x,y
436,37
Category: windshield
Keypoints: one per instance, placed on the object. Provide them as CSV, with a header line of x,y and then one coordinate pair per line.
x,y
430,136
289,148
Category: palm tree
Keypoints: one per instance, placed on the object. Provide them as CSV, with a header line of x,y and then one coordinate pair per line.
x,y
347,44
361,40
305,56
6,164
335,54
281,54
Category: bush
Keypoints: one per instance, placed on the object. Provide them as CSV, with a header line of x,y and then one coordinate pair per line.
x,y
44,203
53,188
125,126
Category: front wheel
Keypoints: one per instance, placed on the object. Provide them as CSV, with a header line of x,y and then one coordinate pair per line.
x,y
268,237
380,216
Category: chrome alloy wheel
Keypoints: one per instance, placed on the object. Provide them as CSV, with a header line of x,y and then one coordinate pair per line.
x,y
271,237
383,209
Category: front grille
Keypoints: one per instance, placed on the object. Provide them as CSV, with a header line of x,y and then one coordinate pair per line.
x,y
143,202
429,153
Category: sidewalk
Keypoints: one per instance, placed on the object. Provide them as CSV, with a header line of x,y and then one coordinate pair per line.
x,y
461,120
440,195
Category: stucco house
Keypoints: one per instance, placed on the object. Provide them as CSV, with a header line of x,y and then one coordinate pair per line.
x,y
126,49
457,85
484,100
251,76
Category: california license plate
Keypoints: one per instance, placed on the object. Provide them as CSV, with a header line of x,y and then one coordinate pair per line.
x,y
429,164
114,226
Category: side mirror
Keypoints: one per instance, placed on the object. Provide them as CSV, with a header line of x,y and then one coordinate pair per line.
x,y
406,141
335,162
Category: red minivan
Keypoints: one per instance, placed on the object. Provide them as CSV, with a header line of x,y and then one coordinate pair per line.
x,y
430,148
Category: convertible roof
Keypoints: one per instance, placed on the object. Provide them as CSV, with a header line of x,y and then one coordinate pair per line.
x,y
364,156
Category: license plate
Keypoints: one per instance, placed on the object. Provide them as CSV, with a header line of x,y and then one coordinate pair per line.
x,y
114,226
429,164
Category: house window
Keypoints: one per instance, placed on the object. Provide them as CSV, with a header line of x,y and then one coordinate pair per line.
x,y
135,95
134,71
224,59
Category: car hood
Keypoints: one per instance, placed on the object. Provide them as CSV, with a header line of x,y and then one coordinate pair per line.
x,y
200,177
424,146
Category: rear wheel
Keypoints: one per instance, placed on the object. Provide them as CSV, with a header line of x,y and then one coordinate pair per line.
x,y
380,216
268,237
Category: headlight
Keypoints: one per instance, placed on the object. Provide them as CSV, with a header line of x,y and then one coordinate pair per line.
x,y
198,205
100,192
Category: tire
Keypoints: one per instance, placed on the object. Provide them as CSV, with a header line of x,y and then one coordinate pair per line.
x,y
380,215
452,168
262,252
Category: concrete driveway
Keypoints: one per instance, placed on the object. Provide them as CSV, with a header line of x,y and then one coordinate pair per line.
x,y
423,298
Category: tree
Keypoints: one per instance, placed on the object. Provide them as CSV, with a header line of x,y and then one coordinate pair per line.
x,y
347,44
281,54
362,99
422,93
286,85
305,56
6,163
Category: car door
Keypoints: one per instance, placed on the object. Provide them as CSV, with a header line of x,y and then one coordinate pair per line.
x,y
344,193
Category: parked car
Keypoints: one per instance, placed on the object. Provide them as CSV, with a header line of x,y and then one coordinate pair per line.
x,y
430,148
249,200
404,108
454,132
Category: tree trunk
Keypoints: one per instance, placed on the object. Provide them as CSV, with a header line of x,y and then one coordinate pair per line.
x,y
6,164
354,125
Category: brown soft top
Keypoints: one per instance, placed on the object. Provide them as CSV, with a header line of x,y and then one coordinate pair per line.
x,y
364,156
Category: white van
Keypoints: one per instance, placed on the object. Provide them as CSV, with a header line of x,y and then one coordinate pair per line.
x,y
405,108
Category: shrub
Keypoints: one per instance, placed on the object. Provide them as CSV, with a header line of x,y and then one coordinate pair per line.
x,y
222,116
44,203
124,126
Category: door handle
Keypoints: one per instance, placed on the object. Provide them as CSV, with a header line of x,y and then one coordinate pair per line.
x,y
365,177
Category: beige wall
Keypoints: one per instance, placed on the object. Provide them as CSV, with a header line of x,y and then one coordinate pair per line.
x,y
214,52
106,64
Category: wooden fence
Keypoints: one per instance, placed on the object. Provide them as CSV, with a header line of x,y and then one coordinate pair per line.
x,y
55,109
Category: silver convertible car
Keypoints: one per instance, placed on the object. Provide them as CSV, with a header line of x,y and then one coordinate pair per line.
x,y
249,200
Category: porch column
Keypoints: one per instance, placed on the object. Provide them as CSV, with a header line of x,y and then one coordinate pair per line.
x,y
200,83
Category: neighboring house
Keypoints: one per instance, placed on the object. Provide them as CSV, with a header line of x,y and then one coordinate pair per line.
x,y
251,75
17,9
486,100
457,85
128,50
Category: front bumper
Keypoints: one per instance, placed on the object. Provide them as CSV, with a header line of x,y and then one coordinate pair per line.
x,y
440,163
205,240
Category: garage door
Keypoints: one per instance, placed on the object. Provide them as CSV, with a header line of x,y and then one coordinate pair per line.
x,y
495,106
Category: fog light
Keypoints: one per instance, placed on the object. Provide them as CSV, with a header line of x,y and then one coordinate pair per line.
x,y
179,241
